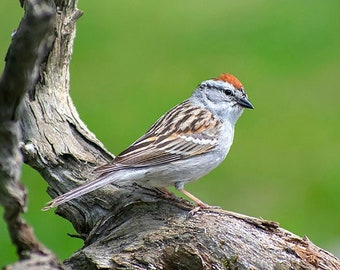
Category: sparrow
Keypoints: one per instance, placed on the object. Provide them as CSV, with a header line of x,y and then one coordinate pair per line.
x,y
184,144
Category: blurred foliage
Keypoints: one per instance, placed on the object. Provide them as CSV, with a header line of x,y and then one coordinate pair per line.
x,y
134,60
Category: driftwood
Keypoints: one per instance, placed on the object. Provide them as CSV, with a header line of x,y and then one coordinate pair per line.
x,y
123,227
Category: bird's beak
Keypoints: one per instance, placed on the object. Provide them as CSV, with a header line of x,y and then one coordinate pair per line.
x,y
245,103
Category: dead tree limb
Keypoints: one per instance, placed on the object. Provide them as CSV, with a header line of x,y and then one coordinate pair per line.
x,y
130,227
30,45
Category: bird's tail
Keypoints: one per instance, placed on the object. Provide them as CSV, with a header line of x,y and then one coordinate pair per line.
x,y
101,181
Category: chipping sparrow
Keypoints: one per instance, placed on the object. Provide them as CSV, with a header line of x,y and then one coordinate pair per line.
x,y
183,145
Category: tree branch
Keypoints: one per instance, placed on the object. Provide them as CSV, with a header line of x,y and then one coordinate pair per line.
x,y
30,44
130,227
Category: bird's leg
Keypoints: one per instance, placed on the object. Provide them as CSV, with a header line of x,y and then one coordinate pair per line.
x,y
167,193
195,199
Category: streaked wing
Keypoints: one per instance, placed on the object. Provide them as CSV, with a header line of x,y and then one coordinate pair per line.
x,y
183,132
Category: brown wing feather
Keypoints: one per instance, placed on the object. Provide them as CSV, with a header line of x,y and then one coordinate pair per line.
x,y
183,132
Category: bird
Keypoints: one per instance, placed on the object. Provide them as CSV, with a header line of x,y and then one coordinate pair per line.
x,y
184,144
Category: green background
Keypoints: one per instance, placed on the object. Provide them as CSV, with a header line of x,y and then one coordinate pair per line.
x,y
133,60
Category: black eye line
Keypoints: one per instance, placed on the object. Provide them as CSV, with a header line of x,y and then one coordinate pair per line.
x,y
225,91
228,92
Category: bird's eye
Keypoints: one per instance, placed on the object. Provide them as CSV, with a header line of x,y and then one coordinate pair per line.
x,y
227,92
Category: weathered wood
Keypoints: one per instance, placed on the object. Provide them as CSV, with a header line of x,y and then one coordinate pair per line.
x,y
30,45
130,227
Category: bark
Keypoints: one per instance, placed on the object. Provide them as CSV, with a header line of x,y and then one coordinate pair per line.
x,y
30,45
131,227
